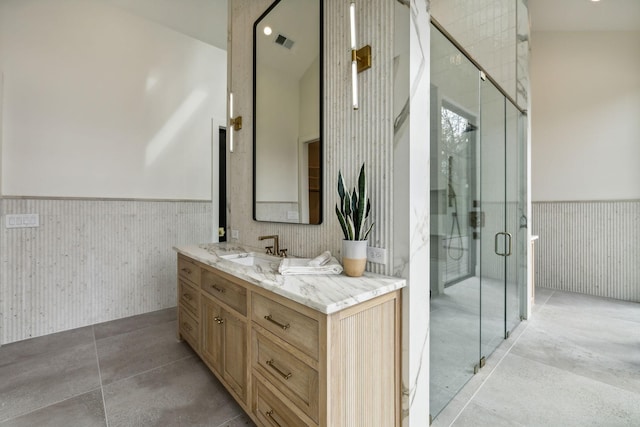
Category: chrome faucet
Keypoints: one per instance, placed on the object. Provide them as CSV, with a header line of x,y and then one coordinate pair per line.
x,y
275,247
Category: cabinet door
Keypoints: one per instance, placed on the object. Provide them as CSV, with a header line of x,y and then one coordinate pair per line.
x,y
235,353
212,333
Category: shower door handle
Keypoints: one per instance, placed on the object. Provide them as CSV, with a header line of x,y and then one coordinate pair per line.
x,y
508,243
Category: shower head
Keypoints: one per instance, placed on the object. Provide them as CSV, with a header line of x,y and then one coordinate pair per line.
x,y
470,128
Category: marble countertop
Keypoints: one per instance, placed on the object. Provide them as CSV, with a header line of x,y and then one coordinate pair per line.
x,y
325,293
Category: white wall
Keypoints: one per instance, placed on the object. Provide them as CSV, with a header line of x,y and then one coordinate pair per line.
x,y
277,157
309,103
102,103
585,116
204,20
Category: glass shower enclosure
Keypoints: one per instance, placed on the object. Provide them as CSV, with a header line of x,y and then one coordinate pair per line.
x,y
478,219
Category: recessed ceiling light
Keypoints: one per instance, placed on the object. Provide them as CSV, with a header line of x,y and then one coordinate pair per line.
x,y
267,31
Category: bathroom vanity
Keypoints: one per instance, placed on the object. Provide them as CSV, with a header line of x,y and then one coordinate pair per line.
x,y
311,350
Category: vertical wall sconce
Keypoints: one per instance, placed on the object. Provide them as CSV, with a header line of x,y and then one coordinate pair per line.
x,y
234,123
360,58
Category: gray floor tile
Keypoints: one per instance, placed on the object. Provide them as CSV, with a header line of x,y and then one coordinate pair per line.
x,y
53,343
596,306
602,348
129,324
542,295
183,393
86,410
239,421
140,350
536,394
42,371
477,416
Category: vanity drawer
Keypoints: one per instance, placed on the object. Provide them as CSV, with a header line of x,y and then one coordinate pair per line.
x,y
272,411
291,376
235,296
189,270
292,326
189,329
189,297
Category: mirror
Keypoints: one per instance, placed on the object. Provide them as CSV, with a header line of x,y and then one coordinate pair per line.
x,y
287,111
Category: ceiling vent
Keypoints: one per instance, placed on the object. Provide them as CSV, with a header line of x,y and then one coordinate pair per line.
x,y
284,42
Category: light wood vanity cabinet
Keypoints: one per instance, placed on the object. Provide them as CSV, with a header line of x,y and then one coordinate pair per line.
x,y
224,344
290,365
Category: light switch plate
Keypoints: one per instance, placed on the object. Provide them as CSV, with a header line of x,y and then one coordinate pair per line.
x,y
376,255
22,220
235,234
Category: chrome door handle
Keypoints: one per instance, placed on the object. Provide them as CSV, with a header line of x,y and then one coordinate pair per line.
x,y
495,243
507,242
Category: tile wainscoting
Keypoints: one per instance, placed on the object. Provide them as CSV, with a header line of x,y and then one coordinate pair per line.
x,y
91,260
589,247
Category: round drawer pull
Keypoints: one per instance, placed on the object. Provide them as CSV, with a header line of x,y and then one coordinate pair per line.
x,y
187,327
270,319
187,296
271,363
186,270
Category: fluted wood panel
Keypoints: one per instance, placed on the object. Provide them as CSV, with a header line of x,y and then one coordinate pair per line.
x,y
93,260
369,336
589,247
350,137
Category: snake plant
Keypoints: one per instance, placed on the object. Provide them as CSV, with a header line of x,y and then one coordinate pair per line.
x,y
354,208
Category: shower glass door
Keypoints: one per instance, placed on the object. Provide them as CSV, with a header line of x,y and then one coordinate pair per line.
x,y
455,286
477,219
494,240
516,217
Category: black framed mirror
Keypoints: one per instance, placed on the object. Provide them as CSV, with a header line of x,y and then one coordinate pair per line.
x,y
287,111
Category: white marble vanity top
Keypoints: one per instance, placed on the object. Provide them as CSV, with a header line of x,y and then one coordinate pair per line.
x,y
325,293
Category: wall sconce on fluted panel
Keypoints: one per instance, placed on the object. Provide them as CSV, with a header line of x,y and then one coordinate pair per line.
x,y
360,58
234,123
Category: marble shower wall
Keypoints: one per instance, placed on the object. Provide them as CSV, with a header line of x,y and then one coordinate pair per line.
x,y
487,30
411,199
92,260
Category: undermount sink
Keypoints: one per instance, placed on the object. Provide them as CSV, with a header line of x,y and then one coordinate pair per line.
x,y
251,258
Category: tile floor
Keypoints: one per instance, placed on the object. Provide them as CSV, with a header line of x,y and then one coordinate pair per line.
x,y
455,324
128,372
576,363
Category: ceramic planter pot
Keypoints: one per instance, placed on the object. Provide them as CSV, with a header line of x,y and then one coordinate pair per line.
x,y
354,257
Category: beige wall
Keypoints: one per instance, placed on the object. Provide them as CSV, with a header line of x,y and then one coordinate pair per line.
x,y
102,103
585,116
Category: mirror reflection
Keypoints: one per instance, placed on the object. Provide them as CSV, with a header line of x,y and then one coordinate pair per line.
x,y
288,113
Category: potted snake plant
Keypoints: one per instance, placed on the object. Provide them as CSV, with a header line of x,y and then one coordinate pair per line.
x,y
352,212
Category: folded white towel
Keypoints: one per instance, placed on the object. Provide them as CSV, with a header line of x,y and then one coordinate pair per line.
x,y
291,266
321,259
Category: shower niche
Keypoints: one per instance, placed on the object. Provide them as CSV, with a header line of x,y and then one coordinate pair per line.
x,y
478,200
